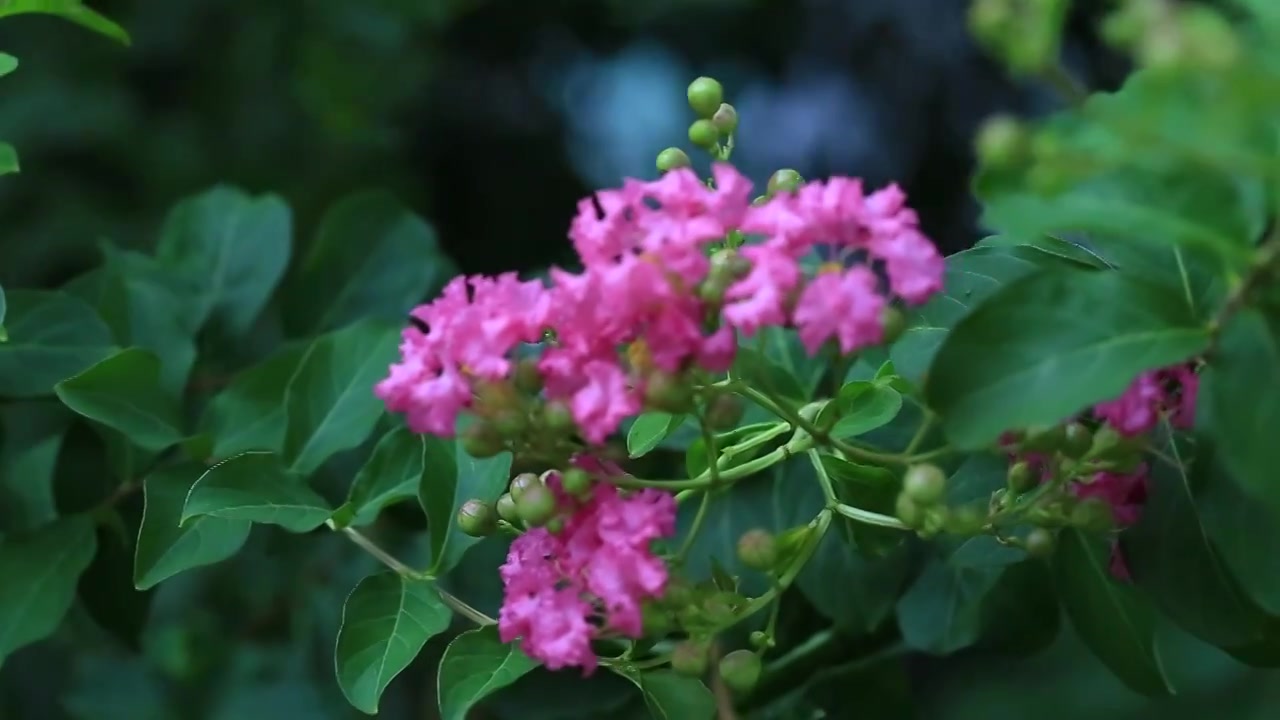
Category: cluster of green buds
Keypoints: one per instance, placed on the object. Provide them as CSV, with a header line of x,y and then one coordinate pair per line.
x,y
528,503
510,415
1167,35
1025,34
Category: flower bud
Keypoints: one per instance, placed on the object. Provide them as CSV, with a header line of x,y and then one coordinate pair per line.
x,y
1002,142
1076,441
908,511
705,95
725,119
689,658
1093,515
925,484
521,484
528,378
760,640
672,158
1021,477
557,417
784,180
724,412
576,481
1040,543
758,550
669,393
717,610
894,324
509,423
656,621
476,518
481,440
1047,440
703,133
536,505
965,520
740,670
507,508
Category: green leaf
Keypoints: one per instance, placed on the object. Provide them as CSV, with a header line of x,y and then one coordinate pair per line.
x,y
123,392
8,64
73,10
371,258
762,373
329,404
52,336
1243,373
450,477
649,430
255,486
1112,620
385,622
942,611
230,249
1171,557
166,546
8,159
249,414
670,696
31,436
41,569
1067,340
1057,248
1245,534
4,335
392,474
475,665
865,406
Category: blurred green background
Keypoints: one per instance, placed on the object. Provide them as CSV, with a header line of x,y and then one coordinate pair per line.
x,y
490,119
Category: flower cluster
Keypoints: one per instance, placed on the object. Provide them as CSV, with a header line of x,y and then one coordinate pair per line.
x,y
563,588
664,290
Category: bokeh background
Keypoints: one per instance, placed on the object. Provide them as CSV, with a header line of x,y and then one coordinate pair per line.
x,y
490,118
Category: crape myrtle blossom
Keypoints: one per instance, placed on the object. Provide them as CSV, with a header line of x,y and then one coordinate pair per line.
x,y
562,589
644,300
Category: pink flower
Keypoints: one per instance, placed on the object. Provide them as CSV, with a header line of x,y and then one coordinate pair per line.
x,y
1124,493
561,590
844,305
1170,391
760,298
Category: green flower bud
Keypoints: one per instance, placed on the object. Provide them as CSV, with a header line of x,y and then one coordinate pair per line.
x,y
725,119
717,610
894,324
521,483
669,393
576,481
536,505
1046,440
1076,441
935,520
555,525
760,640
705,95
507,509
784,180
965,520
558,418
656,621
509,423
759,201
1002,141
678,593
925,484
724,411
990,19
528,378
1093,515
477,518
673,158
703,133
689,658
758,550
1040,543
908,511
481,440
1021,477
740,670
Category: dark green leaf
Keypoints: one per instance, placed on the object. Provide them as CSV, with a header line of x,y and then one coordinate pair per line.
x,y
123,392
166,547
391,475
865,406
1244,372
41,569
8,64
250,414
764,374
475,665
942,611
73,10
106,588
329,404
1114,622
230,249
451,477
52,336
371,258
8,165
669,696
1021,613
1245,534
1057,248
255,486
1066,339
29,445
385,622
649,430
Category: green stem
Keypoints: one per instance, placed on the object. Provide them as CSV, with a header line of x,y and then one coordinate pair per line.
x,y
695,527
824,480
819,526
869,518
1264,263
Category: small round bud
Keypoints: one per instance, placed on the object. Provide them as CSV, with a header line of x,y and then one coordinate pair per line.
x,y
908,511
704,134
576,481
507,508
705,95
509,423
1040,543
965,520
925,484
725,119
521,483
668,393
477,518
1021,477
678,592
536,505
760,640
558,417
672,158
759,201
689,658
1002,141
1076,441
1093,515
481,440
894,324
1046,440
656,621
555,525
717,610
527,376
740,670
724,412
784,180
758,550
990,18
